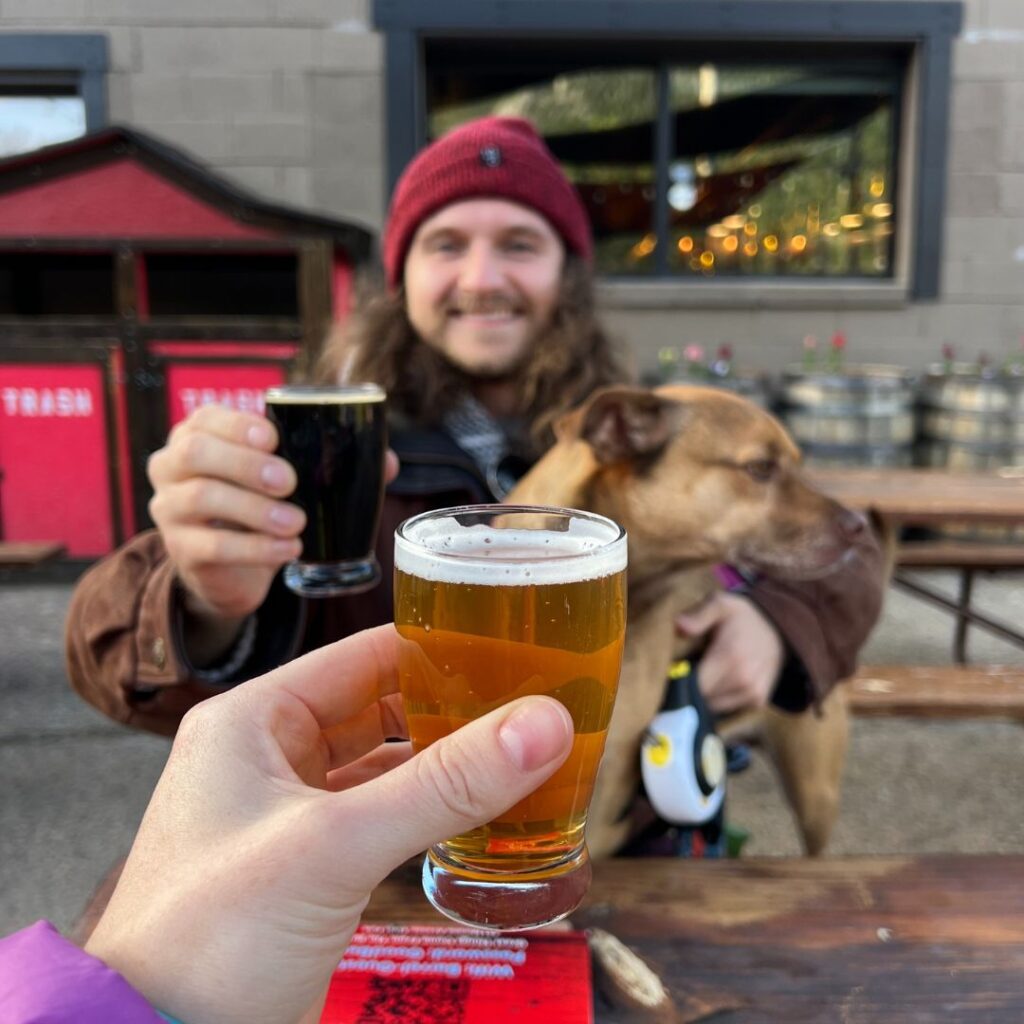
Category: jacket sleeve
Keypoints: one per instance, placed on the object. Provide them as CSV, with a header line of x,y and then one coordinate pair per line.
x,y
123,638
823,622
45,978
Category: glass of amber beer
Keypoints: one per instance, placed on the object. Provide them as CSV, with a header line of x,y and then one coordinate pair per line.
x,y
493,603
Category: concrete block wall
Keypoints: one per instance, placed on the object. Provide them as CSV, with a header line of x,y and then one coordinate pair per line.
x,y
286,98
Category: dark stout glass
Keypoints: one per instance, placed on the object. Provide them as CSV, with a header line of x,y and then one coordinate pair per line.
x,y
336,438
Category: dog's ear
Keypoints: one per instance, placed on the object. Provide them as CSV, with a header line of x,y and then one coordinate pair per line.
x,y
624,423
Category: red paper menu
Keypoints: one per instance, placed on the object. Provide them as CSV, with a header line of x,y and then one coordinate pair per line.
x,y
394,973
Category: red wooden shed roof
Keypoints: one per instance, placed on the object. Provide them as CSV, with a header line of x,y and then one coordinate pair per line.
x,y
120,183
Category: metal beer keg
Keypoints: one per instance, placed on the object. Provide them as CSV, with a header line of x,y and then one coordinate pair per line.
x,y
862,415
971,420
755,387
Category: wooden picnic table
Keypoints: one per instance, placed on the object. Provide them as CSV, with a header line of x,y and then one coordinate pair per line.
x,y
928,497
24,554
936,498
759,941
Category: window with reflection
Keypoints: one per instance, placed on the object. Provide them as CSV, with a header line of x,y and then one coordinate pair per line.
x,y
716,164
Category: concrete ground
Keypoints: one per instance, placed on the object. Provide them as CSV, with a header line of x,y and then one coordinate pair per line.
x,y
913,786
73,786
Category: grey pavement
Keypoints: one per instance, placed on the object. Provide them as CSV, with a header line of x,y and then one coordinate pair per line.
x,y
913,786
73,786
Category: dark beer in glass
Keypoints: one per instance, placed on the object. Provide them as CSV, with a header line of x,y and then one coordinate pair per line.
x,y
336,439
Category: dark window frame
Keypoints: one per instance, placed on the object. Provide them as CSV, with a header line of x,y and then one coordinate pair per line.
x,y
928,26
58,60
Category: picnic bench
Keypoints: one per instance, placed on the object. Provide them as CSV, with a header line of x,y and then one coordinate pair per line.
x,y
757,940
967,559
760,940
940,691
936,498
27,554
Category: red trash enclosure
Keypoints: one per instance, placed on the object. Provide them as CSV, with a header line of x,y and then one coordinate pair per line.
x,y
191,385
136,286
55,457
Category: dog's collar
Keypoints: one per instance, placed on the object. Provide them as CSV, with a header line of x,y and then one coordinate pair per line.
x,y
647,590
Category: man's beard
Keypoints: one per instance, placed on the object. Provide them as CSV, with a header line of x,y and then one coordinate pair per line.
x,y
509,368
493,375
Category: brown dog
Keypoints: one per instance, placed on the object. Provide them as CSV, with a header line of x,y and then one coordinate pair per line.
x,y
698,477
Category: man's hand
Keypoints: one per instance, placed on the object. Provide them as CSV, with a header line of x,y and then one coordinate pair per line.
x,y
744,655
218,493
280,809
217,503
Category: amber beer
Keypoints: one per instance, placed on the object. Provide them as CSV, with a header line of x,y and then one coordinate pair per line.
x,y
336,439
495,603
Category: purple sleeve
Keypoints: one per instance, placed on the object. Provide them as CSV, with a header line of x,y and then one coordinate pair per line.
x,y
44,979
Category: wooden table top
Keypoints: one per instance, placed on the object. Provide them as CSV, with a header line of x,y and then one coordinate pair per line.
x,y
29,553
762,941
927,495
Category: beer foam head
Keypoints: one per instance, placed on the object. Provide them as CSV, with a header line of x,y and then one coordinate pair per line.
x,y
443,549
316,394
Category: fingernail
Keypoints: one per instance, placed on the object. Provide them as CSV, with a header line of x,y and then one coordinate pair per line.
x,y
259,435
287,516
290,549
274,474
535,733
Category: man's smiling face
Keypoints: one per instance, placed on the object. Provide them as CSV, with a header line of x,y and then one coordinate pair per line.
x,y
482,280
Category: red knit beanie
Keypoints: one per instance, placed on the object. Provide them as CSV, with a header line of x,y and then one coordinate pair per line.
x,y
492,157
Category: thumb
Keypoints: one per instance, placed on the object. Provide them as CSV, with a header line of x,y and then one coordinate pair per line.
x,y
459,783
702,619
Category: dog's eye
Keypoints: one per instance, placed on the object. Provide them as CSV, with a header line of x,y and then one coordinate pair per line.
x,y
762,470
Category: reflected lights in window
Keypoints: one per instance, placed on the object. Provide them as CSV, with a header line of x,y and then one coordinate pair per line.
x,y
774,167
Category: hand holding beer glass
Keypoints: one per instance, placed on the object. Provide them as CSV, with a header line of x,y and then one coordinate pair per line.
x,y
493,603
336,439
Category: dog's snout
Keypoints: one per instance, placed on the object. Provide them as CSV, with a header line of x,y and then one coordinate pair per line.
x,y
852,524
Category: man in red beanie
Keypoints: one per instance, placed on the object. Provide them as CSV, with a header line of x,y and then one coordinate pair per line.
x,y
482,333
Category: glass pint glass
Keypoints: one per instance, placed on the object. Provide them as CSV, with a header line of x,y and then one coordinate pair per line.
x,y
496,602
336,439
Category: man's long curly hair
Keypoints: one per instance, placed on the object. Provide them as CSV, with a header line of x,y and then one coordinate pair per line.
x,y
570,358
